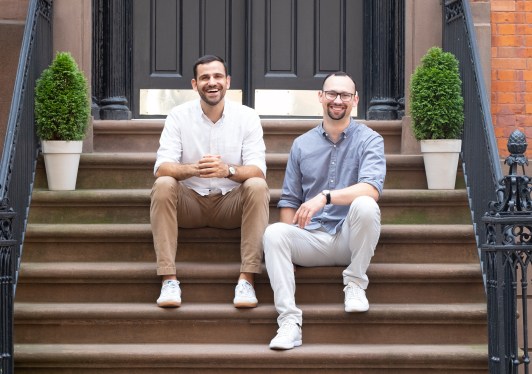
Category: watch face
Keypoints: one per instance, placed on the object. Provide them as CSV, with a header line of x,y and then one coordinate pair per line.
x,y
232,170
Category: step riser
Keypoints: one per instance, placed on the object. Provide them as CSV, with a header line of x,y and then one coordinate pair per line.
x,y
240,332
142,251
109,177
139,291
139,212
278,137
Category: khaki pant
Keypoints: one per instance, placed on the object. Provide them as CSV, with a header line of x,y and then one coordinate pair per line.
x,y
174,205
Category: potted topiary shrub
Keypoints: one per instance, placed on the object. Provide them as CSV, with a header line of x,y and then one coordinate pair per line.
x,y
62,113
437,109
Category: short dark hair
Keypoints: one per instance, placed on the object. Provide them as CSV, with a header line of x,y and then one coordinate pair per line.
x,y
338,74
205,60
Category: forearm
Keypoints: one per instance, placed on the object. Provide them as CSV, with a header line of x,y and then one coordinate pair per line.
x,y
286,215
178,171
244,172
345,196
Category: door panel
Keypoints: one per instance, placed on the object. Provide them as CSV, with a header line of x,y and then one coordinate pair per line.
x,y
169,35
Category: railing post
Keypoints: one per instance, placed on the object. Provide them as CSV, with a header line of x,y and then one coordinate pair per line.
x,y
508,253
8,260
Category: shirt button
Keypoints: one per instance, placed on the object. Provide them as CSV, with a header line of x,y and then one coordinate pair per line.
x,y
332,180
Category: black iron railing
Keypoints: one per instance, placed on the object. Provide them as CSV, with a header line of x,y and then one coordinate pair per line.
x,y
17,168
508,253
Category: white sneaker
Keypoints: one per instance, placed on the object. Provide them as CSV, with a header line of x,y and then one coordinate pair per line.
x,y
288,336
170,295
355,298
245,295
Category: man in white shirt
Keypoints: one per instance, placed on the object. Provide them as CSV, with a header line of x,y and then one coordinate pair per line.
x,y
210,171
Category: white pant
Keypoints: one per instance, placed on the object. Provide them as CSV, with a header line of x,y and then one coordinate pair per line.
x,y
353,245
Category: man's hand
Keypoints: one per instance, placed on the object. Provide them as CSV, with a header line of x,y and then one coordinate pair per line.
x,y
211,166
307,210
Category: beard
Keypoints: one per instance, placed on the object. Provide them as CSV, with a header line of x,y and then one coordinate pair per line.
x,y
212,102
336,115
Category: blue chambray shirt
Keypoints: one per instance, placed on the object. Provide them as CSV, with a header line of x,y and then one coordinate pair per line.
x,y
316,164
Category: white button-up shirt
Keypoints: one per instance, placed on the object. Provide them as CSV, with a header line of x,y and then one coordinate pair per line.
x,y
188,135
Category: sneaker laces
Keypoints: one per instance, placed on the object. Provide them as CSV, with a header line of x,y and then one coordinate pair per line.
x,y
286,328
354,292
245,289
170,287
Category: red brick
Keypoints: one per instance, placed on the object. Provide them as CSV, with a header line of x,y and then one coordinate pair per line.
x,y
505,52
507,40
506,29
528,6
508,63
506,74
506,98
505,120
502,5
508,86
503,17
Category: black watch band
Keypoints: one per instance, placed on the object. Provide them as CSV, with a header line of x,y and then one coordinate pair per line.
x,y
327,195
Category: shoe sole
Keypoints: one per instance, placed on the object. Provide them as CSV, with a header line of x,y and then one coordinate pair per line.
x,y
354,310
243,304
297,343
169,304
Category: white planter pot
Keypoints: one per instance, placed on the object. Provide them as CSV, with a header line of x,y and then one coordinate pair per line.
x,y
441,162
61,160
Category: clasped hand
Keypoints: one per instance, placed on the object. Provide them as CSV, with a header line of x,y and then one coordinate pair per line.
x,y
211,166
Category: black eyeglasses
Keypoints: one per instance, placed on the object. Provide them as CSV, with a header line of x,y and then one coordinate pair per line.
x,y
332,95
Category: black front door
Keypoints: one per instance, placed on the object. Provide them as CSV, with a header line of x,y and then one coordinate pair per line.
x,y
270,45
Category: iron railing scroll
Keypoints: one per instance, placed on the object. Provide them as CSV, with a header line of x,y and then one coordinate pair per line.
x,y
508,253
18,165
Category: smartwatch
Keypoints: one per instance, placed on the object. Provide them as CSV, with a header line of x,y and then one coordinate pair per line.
x,y
327,195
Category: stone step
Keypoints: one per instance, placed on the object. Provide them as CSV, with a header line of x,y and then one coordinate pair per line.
x,y
132,206
71,323
135,171
143,135
133,242
251,358
98,282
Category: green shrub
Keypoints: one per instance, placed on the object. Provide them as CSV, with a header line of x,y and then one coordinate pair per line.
x,y
436,101
62,106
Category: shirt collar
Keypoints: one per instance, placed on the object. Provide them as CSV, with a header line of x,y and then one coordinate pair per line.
x,y
201,115
347,132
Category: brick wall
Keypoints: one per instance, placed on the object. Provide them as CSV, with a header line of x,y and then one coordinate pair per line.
x,y
511,69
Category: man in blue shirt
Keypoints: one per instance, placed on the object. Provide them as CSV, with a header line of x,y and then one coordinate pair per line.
x,y
328,207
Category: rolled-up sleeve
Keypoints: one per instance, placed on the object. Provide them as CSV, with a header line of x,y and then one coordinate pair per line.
x,y
292,193
373,163
253,147
170,146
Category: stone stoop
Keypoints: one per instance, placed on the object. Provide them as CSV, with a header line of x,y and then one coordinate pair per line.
x,y
85,300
